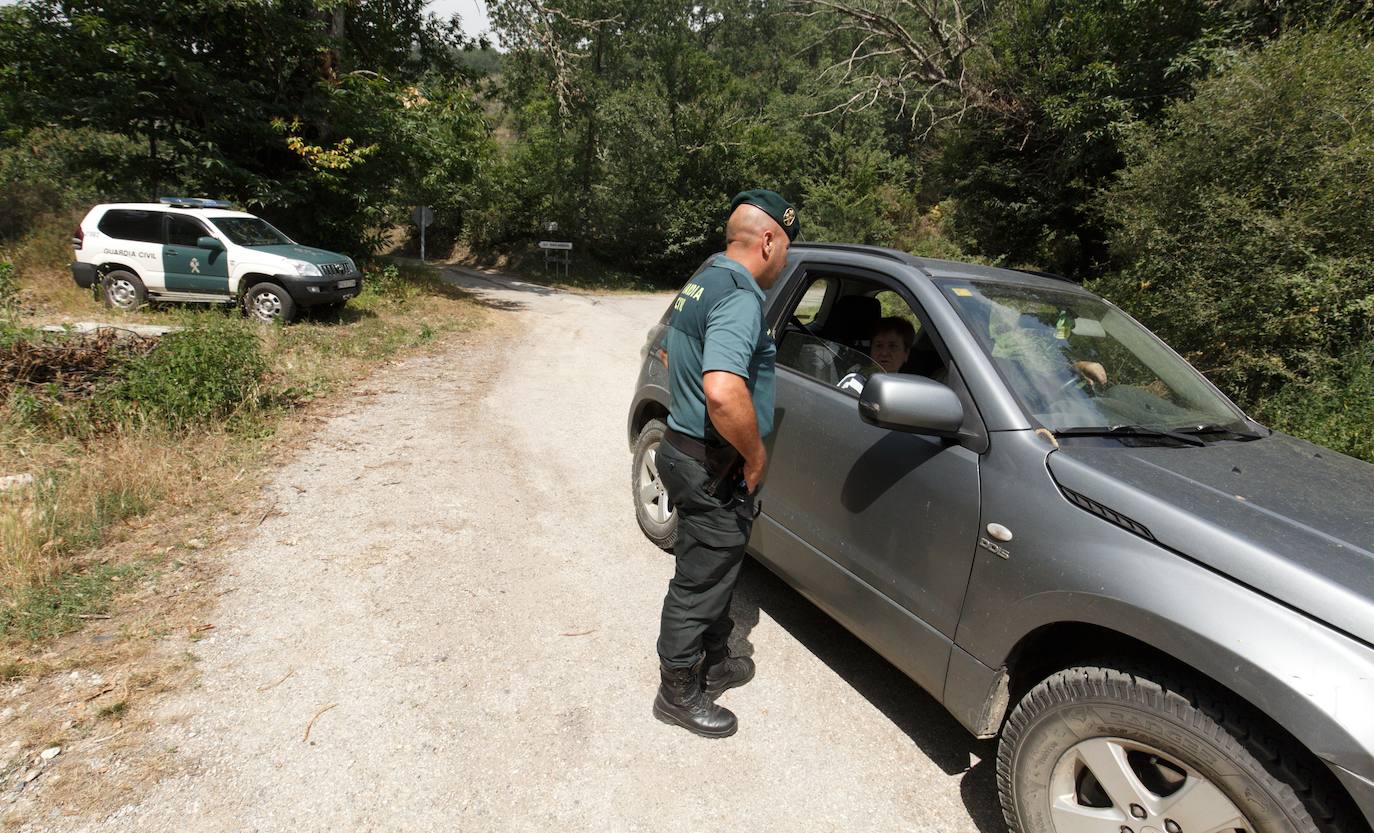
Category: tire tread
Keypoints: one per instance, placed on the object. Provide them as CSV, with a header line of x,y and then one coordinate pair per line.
x,y
1302,790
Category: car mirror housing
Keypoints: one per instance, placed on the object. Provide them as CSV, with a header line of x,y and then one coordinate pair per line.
x,y
911,403
208,242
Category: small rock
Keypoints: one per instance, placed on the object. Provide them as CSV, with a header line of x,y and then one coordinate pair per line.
x,y
31,774
195,544
50,753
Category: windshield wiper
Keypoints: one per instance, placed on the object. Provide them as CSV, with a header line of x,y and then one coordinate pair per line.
x,y
1130,431
1217,428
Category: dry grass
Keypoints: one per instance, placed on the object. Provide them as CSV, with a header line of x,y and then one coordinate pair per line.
x,y
109,563
42,260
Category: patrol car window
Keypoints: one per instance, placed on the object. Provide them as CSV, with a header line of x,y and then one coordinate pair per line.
x,y
128,224
185,231
250,231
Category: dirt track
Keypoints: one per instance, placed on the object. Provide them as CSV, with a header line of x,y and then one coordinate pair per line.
x,y
454,591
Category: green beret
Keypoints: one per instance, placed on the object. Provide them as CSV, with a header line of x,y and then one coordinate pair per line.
x,y
774,206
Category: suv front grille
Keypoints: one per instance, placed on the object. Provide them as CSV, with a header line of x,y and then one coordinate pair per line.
x,y
334,269
1087,504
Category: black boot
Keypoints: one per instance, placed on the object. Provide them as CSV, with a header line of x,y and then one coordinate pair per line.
x,y
724,671
681,701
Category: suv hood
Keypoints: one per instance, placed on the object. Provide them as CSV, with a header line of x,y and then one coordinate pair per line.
x,y
295,251
1291,519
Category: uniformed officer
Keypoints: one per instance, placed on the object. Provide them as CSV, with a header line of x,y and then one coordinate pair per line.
x,y
720,370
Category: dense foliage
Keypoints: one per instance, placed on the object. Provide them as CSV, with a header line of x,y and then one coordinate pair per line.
x,y
1205,161
1243,229
329,120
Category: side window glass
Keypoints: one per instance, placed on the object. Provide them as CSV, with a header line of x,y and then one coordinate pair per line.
x,y
127,224
866,329
810,305
184,231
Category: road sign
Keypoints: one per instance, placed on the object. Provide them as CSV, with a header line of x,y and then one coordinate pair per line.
x,y
554,244
558,254
423,216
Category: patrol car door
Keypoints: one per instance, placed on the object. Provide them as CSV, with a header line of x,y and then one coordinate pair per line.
x,y
190,267
878,526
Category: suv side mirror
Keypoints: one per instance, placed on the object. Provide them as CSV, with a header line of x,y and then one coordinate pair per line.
x,y
911,403
208,242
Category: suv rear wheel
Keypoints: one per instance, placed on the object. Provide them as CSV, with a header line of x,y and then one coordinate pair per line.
x,y
1102,750
123,290
652,509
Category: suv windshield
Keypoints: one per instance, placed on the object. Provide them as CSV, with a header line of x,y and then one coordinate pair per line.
x,y
1075,361
250,231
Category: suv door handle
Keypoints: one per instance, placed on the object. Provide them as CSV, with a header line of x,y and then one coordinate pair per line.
x,y
171,252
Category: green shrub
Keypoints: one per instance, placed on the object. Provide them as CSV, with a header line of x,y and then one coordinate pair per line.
x,y
1336,411
209,371
51,170
1243,224
9,294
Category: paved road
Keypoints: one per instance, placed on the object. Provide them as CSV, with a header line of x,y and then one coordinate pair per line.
x,y
456,579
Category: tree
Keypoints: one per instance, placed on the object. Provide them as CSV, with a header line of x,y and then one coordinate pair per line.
x,y
305,111
1242,230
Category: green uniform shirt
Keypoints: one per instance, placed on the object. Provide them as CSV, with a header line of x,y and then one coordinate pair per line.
x,y
717,324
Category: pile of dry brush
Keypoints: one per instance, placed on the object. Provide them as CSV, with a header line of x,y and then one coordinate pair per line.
x,y
67,367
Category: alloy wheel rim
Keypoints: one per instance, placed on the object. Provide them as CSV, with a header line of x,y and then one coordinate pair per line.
x,y
266,306
653,497
122,293
1114,785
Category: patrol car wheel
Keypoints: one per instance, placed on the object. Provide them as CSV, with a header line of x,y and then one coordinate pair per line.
x,y
1101,750
123,290
652,509
267,302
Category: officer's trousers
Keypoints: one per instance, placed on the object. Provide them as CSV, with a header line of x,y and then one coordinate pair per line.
x,y
711,536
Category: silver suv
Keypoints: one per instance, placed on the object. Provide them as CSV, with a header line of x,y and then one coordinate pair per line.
x,y
1052,523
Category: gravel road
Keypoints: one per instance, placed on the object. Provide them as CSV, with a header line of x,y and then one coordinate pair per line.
x,y
454,591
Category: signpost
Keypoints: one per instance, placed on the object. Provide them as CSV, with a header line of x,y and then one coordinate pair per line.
x,y
423,216
558,253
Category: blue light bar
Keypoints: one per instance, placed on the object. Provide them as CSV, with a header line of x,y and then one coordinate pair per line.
x,y
194,202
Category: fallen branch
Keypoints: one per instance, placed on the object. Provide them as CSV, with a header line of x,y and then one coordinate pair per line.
x,y
579,633
311,724
271,686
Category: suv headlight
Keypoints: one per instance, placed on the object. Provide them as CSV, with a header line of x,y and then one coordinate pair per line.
x,y
304,269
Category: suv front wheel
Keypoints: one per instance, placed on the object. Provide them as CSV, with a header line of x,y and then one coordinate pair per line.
x,y
1101,750
268,302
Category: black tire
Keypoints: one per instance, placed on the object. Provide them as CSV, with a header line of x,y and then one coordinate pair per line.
x,y
1167,730
123,290
267,302
663,532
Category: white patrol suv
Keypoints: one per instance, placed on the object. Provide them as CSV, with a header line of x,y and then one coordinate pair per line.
x,y
198,250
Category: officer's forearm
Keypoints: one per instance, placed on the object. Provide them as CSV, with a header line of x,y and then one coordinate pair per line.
x,y
731,410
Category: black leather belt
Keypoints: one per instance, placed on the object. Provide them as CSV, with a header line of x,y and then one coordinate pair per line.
x,y
691,446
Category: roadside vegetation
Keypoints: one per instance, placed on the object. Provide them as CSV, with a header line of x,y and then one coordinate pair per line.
x,y
97,432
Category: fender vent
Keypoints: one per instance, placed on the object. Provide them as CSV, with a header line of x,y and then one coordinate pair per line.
x,y
1111,516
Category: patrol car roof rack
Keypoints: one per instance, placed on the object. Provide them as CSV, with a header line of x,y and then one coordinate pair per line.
x,y
194,202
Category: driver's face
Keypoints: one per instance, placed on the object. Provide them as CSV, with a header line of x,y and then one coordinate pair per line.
x,y
890,351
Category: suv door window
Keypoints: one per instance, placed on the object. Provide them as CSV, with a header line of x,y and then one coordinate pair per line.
x,y
131,224
832,345
184,231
